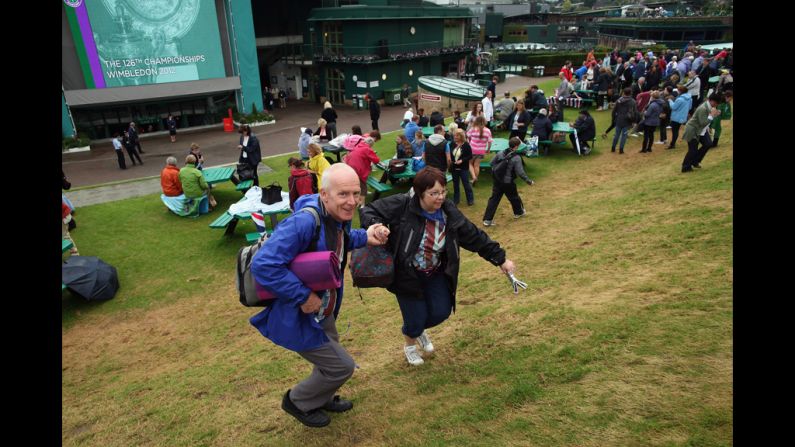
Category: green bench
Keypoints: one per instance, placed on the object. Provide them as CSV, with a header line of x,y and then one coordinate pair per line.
x,y
484,165
222,221
245,185
495,124
254,236
379,187
66,245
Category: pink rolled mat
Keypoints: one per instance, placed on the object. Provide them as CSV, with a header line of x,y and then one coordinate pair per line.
x,y
318,270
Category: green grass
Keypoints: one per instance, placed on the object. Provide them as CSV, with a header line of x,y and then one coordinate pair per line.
x,y
624,336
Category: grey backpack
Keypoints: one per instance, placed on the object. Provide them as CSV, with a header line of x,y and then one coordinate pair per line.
x,y
246,286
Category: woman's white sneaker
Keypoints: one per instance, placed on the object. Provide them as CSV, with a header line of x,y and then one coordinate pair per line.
x,y
425,342
412,355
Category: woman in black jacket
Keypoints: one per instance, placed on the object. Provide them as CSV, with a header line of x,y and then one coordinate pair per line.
x,y
586,131
460,154
601,85
250,154
518,121
426,231
330,115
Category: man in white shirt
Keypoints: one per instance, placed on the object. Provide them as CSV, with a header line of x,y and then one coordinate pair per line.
x,y
488,107
119,153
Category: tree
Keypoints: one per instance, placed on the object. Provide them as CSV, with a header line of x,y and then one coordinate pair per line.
x,y
566,6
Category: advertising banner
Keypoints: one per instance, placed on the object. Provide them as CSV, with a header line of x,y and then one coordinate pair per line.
x,y
139,42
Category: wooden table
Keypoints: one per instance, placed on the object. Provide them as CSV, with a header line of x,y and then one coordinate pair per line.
x,y
218,175
330,148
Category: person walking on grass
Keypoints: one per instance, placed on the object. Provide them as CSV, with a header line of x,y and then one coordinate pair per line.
x,y
480,139
426,231
697,131
651,119
679,110
298,320
624,115
506,166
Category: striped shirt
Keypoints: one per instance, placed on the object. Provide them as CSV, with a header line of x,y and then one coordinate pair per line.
x,y
479,144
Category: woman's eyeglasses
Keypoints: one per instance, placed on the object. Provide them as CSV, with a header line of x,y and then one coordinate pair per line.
x,y
436,194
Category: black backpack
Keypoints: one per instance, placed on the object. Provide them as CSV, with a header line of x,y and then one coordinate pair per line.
x,y
502,165
246,286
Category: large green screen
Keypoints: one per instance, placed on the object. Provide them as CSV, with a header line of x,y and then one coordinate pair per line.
x,y
139,42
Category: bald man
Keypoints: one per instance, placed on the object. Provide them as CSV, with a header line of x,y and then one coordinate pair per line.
x,y
303,320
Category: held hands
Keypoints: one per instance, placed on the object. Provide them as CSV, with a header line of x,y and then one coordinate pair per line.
x,y
312,304
377,234
714,112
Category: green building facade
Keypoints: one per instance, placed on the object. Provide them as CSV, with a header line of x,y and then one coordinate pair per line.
x,y
379,46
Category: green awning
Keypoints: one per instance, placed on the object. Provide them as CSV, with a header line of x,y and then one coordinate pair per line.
x,y
453,88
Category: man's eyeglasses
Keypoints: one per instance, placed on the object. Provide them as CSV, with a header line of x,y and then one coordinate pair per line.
x,y
436,194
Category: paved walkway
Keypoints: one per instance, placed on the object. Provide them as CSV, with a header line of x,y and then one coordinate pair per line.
x,y
99,166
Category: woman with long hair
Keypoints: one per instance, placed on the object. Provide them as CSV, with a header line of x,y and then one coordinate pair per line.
x,y
480,139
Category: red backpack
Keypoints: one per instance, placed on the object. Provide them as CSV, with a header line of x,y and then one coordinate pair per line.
x,y
301,182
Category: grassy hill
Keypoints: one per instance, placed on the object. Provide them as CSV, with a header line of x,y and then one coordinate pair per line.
x,y
624,336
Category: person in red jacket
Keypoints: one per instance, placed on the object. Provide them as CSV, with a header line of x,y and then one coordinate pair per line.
x,y
301,181
566,69
360,158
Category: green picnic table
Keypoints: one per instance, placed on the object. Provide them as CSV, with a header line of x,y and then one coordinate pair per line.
x,y
218,175
229,221
330,148
713,79
66,245
408,173
427,131
500,144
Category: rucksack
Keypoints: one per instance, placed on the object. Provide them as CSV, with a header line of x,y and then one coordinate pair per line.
x,y
246,285
503,163
301,185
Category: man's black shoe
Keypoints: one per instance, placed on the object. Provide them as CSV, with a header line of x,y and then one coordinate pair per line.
x,y
338,405
313,418
687,170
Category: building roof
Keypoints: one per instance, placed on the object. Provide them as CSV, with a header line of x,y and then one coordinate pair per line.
x,y
667,23
363,12
453,88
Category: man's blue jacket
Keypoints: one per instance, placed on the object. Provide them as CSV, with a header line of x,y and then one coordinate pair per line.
x,y
283,322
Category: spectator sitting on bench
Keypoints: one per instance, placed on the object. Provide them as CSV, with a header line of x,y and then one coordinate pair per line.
x,y
172,196
505,107
423,122
436,118
195,188
586,131
403,148
542,126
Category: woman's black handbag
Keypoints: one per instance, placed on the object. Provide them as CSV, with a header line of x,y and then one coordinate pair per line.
x,y
272,194
245,171
397,166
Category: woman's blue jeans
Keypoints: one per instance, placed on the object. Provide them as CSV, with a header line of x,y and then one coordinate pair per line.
x,y
422,314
